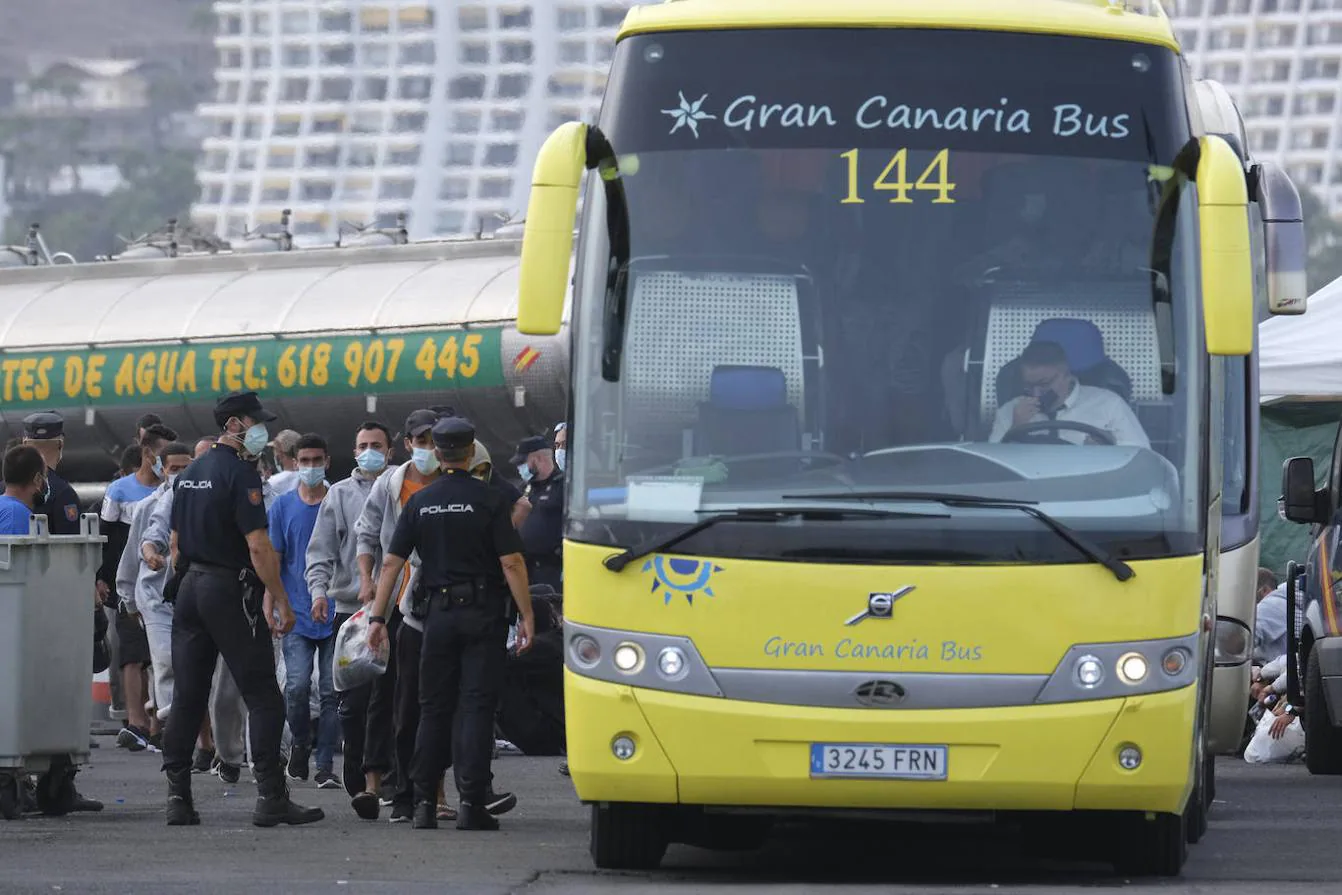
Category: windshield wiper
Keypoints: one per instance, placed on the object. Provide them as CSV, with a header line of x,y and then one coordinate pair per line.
x,y
1122,571
618,561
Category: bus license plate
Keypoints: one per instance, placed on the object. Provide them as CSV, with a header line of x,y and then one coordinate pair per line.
x,y
870,760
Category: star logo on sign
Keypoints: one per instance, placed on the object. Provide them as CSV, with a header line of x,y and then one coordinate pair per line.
x,y
689,114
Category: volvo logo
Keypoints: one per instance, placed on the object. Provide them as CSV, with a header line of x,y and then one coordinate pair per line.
x,y
879,694
880,605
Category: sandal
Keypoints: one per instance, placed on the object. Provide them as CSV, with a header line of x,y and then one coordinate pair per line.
x,y
366,805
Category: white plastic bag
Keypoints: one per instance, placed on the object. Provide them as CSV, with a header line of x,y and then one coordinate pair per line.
x,y
1262,749
356,664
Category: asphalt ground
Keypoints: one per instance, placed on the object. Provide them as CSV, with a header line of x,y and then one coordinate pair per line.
x,y
1274,831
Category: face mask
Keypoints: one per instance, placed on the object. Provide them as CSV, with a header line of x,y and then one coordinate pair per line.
x,y
425,460
561,458
172,479
311,475
254,442
372,461
158,467
525,472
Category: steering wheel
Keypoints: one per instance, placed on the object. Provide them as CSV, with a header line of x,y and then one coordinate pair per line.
x,y
1017,433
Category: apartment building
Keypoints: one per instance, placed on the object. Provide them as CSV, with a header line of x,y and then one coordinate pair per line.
x,y
360,110
1282,62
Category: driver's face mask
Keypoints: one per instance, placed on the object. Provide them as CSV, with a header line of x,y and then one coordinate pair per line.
x,y
1046,386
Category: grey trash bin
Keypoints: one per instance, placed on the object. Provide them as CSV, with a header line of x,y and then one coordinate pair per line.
x,y
46,641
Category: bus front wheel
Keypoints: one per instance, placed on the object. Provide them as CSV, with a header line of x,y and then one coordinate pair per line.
x,y
1153,844
627,836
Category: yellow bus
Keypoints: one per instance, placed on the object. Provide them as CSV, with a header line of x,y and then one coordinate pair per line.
x,y
899,341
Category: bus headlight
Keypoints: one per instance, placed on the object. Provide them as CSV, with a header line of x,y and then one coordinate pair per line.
x,y
671,663
1231,642
1174,661
585,651
628,657
1089,672
1132,668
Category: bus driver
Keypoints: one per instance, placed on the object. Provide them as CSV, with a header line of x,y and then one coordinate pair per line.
x,y
1052,392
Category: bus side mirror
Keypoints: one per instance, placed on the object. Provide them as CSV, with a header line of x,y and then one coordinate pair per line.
x,y
1227,265
1299,501
1284,237
547,236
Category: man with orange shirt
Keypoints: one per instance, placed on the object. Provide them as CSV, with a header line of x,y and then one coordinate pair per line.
x,y
374,529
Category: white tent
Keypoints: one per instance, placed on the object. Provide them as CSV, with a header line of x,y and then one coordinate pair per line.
x,y
1300,358
1300,387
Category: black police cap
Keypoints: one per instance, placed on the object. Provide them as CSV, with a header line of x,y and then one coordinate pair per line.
x,y
528,446
242,404
453,433
42,425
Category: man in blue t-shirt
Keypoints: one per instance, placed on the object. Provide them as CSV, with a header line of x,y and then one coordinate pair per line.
x,y
25,474
292,518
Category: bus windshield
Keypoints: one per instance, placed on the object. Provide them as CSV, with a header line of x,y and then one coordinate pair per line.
x,y
851,261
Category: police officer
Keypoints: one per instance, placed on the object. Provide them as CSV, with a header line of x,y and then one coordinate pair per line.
x,y
468,548
543,530
223,561
59,503
45,431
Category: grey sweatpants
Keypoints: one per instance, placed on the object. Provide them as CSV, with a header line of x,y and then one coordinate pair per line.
x,y
228,715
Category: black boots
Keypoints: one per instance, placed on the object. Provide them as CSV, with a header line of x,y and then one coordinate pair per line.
x,y
273,806
181,813
472,816
426,816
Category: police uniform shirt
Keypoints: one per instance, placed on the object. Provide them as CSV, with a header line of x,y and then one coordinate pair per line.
x,y
216,503
61,506
543,530
460,526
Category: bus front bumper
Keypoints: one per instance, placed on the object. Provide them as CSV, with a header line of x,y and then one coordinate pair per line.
x,y
698,750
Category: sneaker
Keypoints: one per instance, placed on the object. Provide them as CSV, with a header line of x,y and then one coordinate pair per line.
x,y
156,742
204,761
298,764
133,739
447,812
229,773
497,803
563,768
401,813
327,780
506,747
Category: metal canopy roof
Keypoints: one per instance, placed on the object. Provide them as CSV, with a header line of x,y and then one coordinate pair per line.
x,y
438,284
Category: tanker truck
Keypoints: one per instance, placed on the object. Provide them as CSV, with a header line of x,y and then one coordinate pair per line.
x,y
327,336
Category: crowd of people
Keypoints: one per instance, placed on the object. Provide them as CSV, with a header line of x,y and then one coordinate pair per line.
x,y
456,569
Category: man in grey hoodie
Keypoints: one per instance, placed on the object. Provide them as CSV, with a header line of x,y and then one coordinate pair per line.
x,y
333,575
374,530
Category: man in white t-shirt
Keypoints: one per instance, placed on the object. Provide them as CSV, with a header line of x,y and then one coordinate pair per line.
x,y
1052,392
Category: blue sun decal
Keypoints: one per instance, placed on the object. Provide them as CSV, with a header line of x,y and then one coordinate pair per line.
x,y
681,576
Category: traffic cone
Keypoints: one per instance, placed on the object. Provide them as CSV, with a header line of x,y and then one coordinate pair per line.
x,y
101,721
